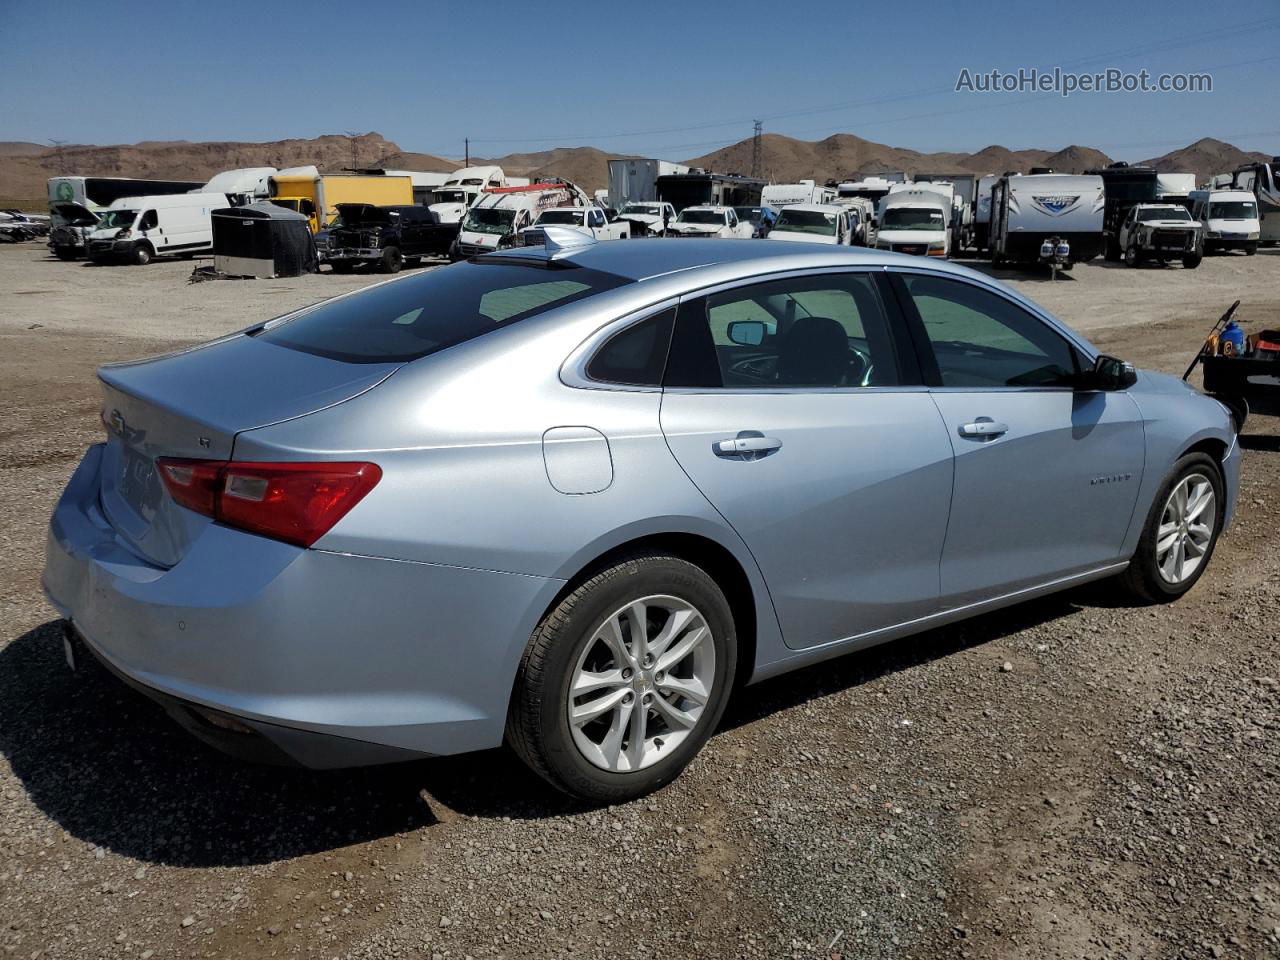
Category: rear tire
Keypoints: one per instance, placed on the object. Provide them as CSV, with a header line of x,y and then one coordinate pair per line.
x,y
598,760
1149,575
392,260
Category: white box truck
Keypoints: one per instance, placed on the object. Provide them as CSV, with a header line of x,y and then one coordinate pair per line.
x,y
635,179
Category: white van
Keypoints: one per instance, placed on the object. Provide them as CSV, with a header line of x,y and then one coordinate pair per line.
x,y
135,229
813,223
1229,219
915,221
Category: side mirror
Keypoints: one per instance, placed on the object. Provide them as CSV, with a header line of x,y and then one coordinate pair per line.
x,y
1111,373
747,333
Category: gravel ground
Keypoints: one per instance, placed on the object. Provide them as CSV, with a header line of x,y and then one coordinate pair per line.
x,y
1069,778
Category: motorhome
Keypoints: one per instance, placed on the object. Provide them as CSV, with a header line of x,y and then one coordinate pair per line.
x,y
683,190
779,195
496,219
915,221
635,179
76,202
136,229
813,223
1028,212
982,211
1125,186
1228,219
243,186
871,188
317,197
1263,180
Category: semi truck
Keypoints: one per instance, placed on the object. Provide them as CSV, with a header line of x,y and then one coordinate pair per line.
x,y
317,196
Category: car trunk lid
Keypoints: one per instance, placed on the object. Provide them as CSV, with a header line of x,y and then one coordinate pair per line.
x,y
193,404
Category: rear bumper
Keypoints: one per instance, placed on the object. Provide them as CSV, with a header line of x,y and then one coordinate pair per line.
x,y
332,659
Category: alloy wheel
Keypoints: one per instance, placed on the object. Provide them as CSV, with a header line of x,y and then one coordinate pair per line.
x,y
1186,528
641,683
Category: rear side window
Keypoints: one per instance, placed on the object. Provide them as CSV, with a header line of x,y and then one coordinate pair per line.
x,y
420,315
637,355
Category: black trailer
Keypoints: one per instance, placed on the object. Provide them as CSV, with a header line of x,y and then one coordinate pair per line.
x,y
709,189
262,240
1124,186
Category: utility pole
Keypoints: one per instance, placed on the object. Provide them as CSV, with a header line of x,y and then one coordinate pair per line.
x,y
466,151
57,147
757,149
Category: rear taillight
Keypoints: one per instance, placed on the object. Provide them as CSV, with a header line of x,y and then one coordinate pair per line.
x,y
294,502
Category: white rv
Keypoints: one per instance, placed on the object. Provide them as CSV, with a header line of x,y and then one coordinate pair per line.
x,y
635,179
872,188
1263,180
1229,219
813,223
1027,212
136,229
1175,187
496,219
779,195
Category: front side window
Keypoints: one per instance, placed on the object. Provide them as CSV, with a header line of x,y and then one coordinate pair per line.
x,y
825,332
421,315
980,339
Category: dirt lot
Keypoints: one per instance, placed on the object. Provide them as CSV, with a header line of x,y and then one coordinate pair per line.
x,y
1114,794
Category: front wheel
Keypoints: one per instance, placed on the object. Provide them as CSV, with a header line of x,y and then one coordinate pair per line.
x,y
1192,260
392,260
625,679
1181,531
1132,257
1250,249
141,255
65,253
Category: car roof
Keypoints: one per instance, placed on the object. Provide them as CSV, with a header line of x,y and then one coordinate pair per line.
x,y
815,207
656,257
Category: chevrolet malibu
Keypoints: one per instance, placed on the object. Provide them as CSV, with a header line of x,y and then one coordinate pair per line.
x,y
571,497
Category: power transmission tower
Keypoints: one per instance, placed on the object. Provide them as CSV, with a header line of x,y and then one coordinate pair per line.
x,y
757,149
466,148
355,150
57,147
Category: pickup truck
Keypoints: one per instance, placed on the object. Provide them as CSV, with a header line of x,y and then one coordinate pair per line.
x,y
589,220
385,238
648,218
1160,232
708,221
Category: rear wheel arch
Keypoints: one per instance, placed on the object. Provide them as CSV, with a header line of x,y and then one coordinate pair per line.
x,y
703,552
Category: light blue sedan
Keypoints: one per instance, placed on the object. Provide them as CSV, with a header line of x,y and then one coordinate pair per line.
x,y
572,497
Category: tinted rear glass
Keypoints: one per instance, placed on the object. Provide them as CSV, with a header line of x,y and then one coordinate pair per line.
x,y
420,315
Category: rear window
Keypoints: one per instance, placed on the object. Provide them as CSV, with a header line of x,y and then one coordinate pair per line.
x,y
420,315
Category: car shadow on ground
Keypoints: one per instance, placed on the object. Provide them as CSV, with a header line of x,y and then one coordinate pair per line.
x,y
1034,274
109,767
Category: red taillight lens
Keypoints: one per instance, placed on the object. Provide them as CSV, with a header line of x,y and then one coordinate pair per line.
x,y
294,502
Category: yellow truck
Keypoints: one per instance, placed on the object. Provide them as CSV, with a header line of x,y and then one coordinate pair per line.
x,y
317,196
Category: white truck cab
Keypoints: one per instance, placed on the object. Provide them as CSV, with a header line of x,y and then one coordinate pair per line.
x,y
451,200
591,221
136,229
1160,232
709,221
813,223
1229,219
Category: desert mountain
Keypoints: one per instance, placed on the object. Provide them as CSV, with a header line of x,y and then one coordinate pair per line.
x,y
1205,157
24,167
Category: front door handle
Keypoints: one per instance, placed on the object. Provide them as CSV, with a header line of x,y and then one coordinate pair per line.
x,y
983,428
747,445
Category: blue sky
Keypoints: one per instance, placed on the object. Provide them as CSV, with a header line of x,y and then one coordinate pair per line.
x,y
673,80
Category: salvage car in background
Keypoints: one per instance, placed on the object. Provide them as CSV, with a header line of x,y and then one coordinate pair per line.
x,y
571,497
1160,232
710,221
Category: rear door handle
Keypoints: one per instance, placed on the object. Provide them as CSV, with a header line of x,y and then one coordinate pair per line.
x,y
983,428
747,445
